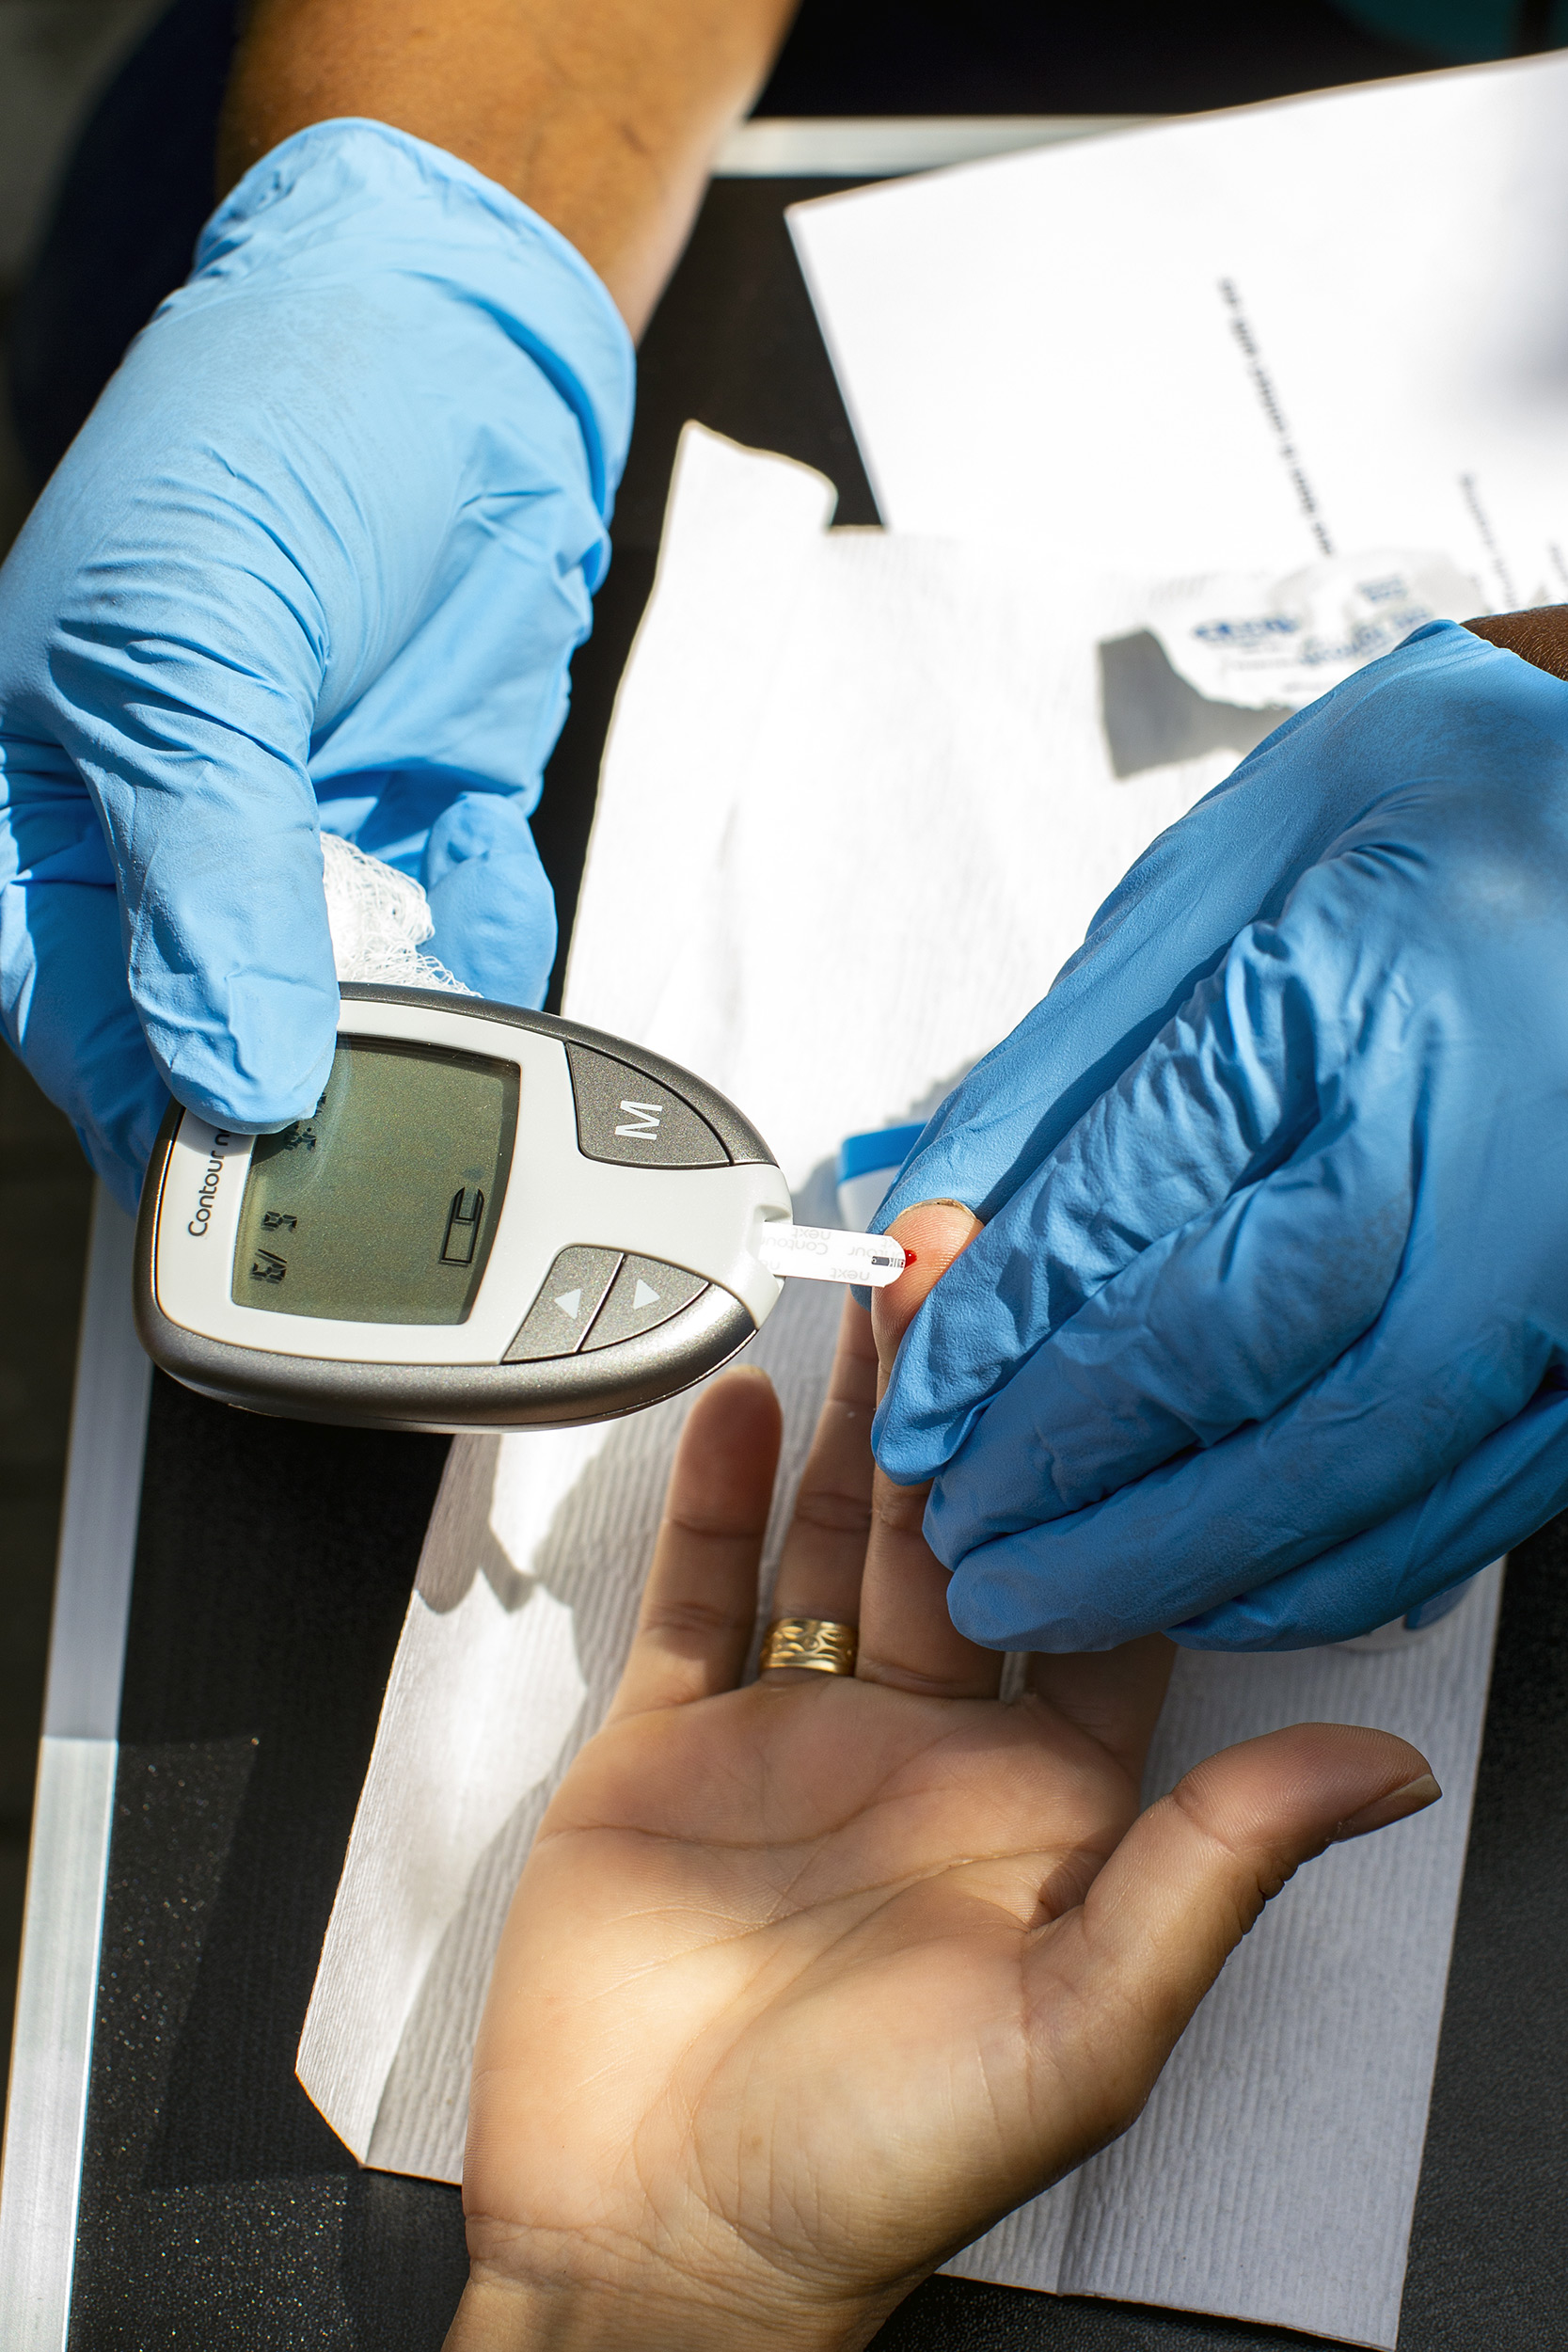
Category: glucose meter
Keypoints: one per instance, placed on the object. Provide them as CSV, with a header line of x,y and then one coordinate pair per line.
x,y
492,1219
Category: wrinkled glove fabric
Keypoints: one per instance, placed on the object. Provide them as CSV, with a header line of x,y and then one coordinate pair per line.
x,y
318,559
1264,1339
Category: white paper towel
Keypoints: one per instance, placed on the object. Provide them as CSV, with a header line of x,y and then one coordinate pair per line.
x,y
804,712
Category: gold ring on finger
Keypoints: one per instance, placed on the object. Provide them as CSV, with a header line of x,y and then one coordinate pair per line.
x,y
821,1644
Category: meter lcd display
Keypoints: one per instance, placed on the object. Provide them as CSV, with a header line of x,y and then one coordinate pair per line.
x,y
381,1206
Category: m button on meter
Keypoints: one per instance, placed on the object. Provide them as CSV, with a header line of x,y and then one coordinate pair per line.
x,y
626,1114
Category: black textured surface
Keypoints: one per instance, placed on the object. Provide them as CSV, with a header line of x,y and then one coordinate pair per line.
x,y
1016,58
272,1571
1490,2243
958,2315
124,227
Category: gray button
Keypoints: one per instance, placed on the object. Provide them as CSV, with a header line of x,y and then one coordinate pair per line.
x,y
624,1115
646,1293
558,1320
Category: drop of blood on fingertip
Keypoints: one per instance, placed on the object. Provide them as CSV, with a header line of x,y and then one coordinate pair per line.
x,y
909,1260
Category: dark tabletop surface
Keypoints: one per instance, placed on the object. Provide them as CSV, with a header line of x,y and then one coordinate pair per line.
x,y
274,1560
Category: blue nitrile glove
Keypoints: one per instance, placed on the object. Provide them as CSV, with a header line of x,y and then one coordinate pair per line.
x,y
1264,1339
320,556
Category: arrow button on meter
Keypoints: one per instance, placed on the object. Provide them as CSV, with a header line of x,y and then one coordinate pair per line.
x,y
645,1294
574,1291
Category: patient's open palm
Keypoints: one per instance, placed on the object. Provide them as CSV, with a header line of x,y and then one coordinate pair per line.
x,y
812,1914
809,1981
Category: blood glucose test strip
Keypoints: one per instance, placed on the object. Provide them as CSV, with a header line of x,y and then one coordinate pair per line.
x,y
823,1256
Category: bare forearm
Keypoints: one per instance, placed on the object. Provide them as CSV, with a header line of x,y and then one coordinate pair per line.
x,y
602,115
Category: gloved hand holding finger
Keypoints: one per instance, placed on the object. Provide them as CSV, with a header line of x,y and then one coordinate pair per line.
x,y
1301,1257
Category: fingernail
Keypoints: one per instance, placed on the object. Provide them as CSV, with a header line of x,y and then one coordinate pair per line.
x,y
1396,1806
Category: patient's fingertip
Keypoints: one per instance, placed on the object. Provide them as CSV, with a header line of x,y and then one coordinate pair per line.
x,y
1398,1806
747,1391
938,1230
931,1235
736,1413
739,1383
